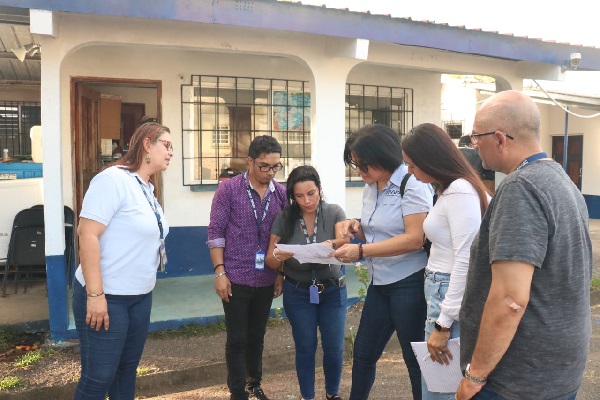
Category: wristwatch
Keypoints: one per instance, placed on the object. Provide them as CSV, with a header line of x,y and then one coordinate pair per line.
x,y
441,328
473,378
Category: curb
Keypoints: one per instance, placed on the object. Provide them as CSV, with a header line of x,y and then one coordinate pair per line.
x,y
166,382
176,381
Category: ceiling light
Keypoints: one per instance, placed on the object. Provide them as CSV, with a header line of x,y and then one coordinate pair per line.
x,y
28,49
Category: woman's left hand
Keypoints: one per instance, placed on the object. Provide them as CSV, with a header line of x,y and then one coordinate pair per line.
x,y
347,253
278,288
437,346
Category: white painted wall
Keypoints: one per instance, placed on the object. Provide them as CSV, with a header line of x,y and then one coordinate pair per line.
x,y
20,93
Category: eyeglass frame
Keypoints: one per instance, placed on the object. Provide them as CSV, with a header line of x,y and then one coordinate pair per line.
x,y
362,166
168,144
275,168
475,136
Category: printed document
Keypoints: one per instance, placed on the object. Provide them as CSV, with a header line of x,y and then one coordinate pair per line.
x,y
310,253
439,377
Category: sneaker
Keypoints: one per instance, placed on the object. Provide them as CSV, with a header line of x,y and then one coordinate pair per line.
x,y
256,392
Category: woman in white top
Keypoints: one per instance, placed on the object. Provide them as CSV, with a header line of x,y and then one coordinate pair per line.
x,y
121,244
451,226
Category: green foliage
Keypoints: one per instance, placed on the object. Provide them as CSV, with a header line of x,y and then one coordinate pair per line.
x,y
8,338
10,382
31,357
595,284
143,371
363,278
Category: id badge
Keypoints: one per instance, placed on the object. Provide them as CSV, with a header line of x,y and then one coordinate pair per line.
x,y
259,262
313,291
162,252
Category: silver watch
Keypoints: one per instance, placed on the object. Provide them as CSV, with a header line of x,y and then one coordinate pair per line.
x,y
473,378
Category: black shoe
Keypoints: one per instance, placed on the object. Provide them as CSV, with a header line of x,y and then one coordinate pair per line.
x,y
335,397
256,392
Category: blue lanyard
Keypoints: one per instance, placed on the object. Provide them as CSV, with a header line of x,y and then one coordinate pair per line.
x,y
305,231
259,221
532,158
154,208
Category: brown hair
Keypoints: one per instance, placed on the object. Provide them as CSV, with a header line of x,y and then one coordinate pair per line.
x,y
431,149
135,156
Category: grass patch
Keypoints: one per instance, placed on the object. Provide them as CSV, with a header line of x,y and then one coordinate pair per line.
x,y
144,371
595,284
10,382
8,338
189,330
31,357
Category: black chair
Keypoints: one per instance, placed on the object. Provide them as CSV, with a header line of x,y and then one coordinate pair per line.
x,y
26,257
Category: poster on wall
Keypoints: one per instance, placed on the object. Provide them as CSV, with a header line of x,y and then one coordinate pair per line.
x,y
291,111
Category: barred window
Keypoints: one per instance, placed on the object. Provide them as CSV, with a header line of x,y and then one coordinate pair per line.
x,y
454,129
368,104
16,120
222,115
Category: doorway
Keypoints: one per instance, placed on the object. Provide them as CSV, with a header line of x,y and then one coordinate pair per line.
x,y
104,114
574,156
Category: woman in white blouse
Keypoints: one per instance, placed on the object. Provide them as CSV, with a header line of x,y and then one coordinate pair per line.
x,y
451,226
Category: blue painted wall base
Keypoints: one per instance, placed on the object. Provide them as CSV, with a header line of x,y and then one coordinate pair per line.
x,y
56,273
593,205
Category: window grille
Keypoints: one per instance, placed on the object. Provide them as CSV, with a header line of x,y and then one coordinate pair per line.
x,y
16,120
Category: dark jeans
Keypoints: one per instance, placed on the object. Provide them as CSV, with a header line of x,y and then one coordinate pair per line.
x,y
330,317
246,317
109,359
399,307
488,394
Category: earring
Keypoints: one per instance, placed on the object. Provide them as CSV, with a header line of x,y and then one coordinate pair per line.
x,y
147,158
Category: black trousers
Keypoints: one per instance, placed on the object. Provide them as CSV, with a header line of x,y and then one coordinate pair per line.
x,y
246,317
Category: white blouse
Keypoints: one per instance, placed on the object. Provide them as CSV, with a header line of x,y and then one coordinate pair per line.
x,y
451,226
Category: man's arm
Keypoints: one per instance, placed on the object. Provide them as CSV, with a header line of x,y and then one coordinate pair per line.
x,y
506,303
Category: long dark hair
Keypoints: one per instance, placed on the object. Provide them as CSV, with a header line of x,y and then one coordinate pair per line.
x,y
292,212
431,149
375,145
135,156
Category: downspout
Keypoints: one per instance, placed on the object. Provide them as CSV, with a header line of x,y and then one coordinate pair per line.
x,y
566,140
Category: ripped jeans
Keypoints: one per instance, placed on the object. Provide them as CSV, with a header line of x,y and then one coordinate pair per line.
x,y
436,286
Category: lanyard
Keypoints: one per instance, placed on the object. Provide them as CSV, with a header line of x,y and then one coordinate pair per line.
x,y
259,221
532,158
154,208
305,231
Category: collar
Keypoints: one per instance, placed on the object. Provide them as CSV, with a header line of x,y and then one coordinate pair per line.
x,y
248,183
134,174
398,174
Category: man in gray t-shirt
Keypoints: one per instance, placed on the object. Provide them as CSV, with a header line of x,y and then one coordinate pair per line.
x,y
525,317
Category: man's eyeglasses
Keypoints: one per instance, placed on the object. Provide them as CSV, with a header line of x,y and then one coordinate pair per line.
x,y
167,144
475,136
355,166
267,168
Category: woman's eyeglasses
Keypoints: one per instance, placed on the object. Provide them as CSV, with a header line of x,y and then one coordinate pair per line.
x,y
167,144
267,168
361,166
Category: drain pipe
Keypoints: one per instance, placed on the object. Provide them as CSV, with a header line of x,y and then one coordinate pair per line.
x,y
566,140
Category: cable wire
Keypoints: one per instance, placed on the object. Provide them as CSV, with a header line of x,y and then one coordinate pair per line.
x,y
564,108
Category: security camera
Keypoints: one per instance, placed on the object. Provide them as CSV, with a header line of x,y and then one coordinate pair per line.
x,y
575,59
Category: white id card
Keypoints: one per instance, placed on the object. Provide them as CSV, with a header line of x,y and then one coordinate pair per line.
x,y
162,252
260,260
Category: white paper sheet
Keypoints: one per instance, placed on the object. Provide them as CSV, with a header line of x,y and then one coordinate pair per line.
x,y
439,377
310,253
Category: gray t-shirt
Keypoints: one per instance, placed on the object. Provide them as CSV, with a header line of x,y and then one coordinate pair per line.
x,y
539,217
329,215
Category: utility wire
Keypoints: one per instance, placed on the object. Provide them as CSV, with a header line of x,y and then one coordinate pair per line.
x,y
564,108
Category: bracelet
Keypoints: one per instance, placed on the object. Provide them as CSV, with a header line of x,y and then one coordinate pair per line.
x,y
274,256
475,379
218,265
95,294
220,275
360,251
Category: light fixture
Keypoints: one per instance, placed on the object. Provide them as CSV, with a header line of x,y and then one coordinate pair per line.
x,y
30,49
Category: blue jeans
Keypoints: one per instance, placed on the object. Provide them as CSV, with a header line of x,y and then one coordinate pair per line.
x,y
436,286
399,307
488,394
330,316
246,317
109,358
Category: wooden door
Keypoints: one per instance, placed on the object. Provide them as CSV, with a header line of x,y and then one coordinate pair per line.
x,y
131,115
87,139
574,156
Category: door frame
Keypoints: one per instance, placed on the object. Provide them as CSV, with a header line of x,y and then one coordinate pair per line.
x,y
559,140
